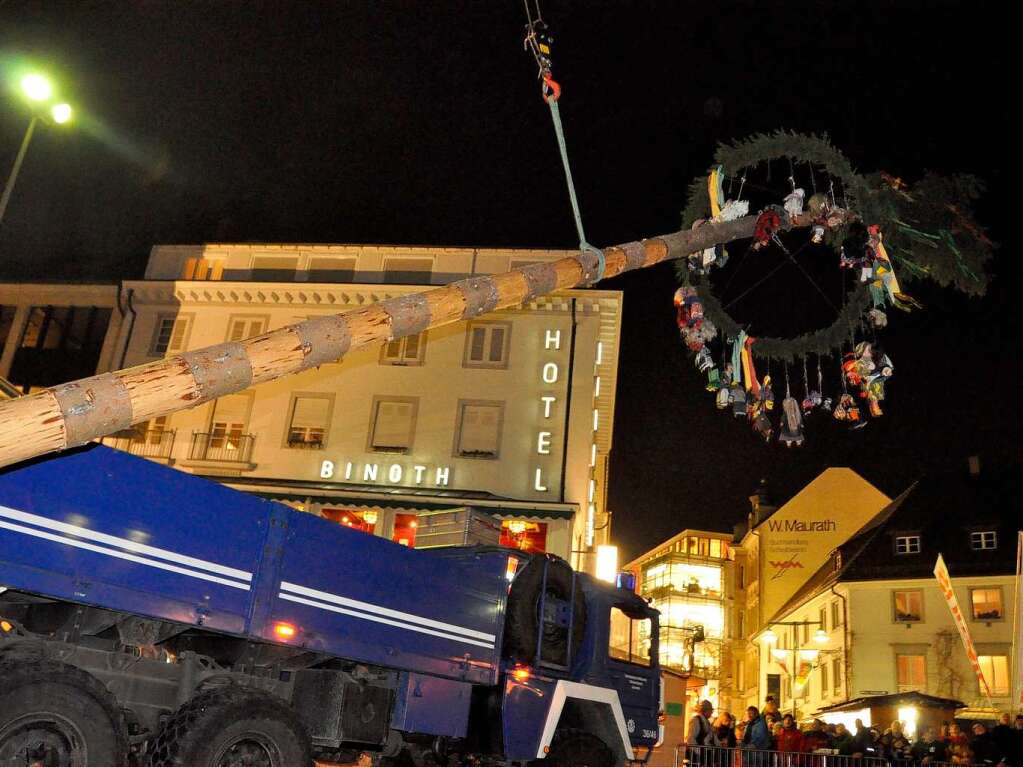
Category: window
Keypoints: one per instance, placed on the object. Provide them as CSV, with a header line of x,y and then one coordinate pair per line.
x,y
410,350
907,544
202,269
740,625
911,672
824,680
984,540
486,344
309,420
836,614
996,673
363,520
908,606
331,270
150,432
408,271
822,618
170,334
478,433
392,424
524,535
987,604
230,421
740,577
740,675
836,676
630,638
405,526
274,268
241,327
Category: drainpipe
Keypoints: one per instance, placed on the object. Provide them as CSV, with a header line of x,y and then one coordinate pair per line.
x,y
131,325
845,641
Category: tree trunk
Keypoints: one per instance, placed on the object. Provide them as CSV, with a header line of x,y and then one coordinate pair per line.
x,y
77,412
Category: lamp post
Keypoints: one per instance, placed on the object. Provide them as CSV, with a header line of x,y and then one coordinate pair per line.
x,y
37,89
819,636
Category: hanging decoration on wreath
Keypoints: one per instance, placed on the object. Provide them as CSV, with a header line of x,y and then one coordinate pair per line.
x,y
879,228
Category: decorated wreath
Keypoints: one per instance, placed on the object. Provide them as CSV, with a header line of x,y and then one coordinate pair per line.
x,y
873,230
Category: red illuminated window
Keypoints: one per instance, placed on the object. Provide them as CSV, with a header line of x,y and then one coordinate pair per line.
x,y
405,530
524,536
363,520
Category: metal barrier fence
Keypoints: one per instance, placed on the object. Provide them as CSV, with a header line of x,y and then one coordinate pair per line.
x,y
716,756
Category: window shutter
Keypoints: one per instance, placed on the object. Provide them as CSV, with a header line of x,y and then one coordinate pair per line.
x,y
310,412
177,338
232,409
412,347
478,434
393,426
479,336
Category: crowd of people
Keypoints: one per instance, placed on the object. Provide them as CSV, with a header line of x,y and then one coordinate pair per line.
x,y
770,730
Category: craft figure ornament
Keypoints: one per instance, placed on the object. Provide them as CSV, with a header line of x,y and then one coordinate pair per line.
x,y
695,331
791,431
793,202
867,370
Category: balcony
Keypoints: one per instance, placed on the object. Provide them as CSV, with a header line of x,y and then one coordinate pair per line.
x,y
155,444
221,451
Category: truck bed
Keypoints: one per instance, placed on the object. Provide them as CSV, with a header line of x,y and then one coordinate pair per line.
x,y
100,527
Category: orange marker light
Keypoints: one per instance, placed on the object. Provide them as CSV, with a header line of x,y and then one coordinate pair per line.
x,y
510,568
520,674
284,631
5,626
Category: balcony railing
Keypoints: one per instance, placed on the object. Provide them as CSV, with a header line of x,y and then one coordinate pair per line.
x,y
220,446
156,443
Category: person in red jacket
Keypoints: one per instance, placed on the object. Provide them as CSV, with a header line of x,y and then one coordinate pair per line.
x,y
790,740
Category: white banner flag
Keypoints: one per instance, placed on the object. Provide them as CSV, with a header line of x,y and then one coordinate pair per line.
x,y
1017,626
945,583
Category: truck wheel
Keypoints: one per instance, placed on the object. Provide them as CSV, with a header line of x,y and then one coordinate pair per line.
x,y
55,714
524,613
573,748
232,727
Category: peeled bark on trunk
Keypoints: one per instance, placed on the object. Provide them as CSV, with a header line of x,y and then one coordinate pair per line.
x,y
74,413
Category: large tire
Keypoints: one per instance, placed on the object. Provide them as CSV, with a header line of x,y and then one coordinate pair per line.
x,y
524,613
574,748
53,713
231,726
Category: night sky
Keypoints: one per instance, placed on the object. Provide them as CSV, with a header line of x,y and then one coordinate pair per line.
x,y
420,123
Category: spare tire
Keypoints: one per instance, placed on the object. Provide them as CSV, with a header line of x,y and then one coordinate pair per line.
x,y
524,619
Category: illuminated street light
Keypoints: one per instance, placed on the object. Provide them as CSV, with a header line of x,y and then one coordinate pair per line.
x,y
820,636
60,113
36,87
770,637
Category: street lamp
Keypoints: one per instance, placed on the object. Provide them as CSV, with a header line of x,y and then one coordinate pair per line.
x,y
810,654
39,90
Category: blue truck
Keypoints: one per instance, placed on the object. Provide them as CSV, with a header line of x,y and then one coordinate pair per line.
x,y
150,617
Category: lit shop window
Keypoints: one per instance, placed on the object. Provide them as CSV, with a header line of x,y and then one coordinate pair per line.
x,y
987,604
405,530
170,335
240,328
309,421
393,425
524,536
363,520
410,350
486,344
202,269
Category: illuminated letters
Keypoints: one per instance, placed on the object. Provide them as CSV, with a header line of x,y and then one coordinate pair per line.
x,y
550,373
442,475
547,401
543,443
394,473
419,473
552,340
369,472
326,470
538,482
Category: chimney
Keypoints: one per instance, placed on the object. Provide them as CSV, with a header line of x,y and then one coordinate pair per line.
x,y
974,463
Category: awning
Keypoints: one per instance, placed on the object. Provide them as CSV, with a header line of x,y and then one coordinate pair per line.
x,y
918,699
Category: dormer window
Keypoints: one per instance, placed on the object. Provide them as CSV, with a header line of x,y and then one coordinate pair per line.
x,y
907,544
984,540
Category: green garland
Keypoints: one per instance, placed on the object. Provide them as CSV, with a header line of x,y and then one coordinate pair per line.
x,y
929,231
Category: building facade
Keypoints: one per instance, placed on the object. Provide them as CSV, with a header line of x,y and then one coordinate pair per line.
x,y
886,626
775,553
498,429
688,579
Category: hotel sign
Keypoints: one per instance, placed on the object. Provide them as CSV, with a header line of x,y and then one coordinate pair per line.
x,y
410,474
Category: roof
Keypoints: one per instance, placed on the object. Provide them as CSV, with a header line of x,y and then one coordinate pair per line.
x,y
942,509
655,551
914,698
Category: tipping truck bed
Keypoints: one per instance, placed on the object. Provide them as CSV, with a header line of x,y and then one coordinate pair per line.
x,y
100,527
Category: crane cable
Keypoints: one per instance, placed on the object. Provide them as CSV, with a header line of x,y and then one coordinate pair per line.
x,y
539,42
